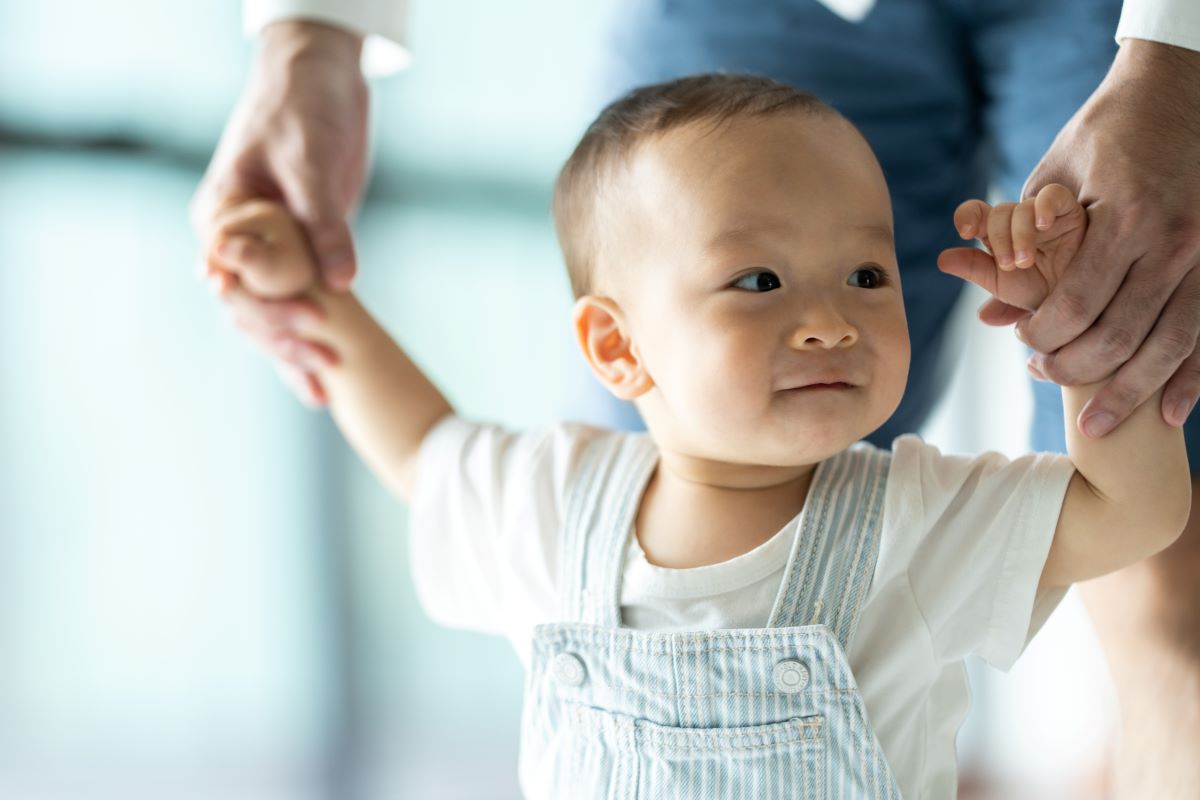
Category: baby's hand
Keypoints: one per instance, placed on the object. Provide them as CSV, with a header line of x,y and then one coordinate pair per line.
x,y
260,244
265,273
1030,243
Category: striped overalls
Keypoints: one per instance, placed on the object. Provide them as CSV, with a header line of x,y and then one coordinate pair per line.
x,y
773,712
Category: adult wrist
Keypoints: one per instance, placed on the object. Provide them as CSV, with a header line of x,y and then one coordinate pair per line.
x,y
1162,80
289,40
1142,57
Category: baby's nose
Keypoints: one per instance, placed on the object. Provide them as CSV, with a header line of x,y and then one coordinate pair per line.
x,y
822,327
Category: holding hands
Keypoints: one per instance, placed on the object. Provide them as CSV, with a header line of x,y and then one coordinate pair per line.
x,y
298,136
262,267
1029,245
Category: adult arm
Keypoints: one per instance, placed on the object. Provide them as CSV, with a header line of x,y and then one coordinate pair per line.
x,y
298,134
1130,302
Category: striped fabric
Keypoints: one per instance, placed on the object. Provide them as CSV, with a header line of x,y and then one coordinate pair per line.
x,y
759,713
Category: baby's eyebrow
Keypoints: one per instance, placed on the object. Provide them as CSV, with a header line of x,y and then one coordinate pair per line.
x,y
747,232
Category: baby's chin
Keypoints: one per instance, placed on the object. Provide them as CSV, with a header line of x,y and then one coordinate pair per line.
x,y
796,446
812,451
790,433
810,440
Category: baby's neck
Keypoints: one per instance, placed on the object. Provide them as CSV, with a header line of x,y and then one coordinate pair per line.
x,y
692,518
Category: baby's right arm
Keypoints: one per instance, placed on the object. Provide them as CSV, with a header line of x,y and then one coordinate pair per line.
x,y
1131,494
381,401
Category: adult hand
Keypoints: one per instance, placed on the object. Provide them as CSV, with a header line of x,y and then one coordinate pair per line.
x,y
298,135
1129,302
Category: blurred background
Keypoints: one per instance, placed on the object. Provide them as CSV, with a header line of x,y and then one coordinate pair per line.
x,y
202,593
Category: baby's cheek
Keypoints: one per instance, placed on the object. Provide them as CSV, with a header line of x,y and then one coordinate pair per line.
x,y
734,373
892,364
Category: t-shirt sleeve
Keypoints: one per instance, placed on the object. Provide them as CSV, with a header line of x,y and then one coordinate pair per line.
x,y
981,528
484,521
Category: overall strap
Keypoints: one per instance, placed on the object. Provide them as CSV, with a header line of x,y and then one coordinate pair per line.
x,y
833,555
603,496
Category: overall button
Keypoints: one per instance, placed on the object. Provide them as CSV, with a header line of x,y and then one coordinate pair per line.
x,y
790,676
568,670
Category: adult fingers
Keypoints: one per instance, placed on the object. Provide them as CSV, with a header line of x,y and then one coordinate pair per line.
x,y
303,384
1171,342
276,326
1121,329
289,348
290,314
1182,390
1083,291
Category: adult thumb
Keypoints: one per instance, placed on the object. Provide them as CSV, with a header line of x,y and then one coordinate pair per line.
x,y
334,249
314,203
1048,170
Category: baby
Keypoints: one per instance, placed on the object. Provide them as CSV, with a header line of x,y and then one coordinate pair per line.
x,y
746,600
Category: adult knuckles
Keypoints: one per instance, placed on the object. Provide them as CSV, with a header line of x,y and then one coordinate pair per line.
x,y
1072,310
1182,239
1124,396
1172,346
1117,344
1188,375
1055,372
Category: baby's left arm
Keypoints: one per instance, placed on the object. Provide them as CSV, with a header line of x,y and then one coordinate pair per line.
x,y
380,399
1131,492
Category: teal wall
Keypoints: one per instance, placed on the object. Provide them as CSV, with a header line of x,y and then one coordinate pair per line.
x,y
202,592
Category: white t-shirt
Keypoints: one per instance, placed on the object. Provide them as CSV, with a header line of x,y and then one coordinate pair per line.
x,y
963,543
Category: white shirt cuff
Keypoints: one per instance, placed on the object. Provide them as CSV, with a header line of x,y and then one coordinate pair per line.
x,y
1174,22
385,23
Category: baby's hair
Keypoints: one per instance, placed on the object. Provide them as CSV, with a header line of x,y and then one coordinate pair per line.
x,y
639,115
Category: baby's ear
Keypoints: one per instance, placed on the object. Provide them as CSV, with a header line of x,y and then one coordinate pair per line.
x,y
261,243
602,331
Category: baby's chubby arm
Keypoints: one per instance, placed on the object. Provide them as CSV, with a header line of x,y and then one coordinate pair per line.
x,y
381,401
1131,492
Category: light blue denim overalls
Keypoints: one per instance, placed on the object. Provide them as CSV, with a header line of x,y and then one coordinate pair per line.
x,y
773,712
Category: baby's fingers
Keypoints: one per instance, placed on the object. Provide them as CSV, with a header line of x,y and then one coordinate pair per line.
x,y
1000,237
970,264
1053,201
970,219
1024,235
265,247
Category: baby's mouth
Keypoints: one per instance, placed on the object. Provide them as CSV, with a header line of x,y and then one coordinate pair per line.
x,y
814,387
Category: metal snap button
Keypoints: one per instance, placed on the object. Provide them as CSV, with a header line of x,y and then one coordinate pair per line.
x,y
790,676
568,670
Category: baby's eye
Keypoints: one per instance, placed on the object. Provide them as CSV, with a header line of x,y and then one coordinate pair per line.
x,y
876,277
763,281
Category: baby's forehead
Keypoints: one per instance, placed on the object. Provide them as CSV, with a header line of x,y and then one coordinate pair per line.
x,y
761,226
707,189
801,159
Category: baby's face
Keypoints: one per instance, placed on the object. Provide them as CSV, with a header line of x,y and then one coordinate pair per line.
x,y
753,261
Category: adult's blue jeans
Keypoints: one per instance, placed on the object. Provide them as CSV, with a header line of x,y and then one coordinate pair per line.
x,y
955,97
